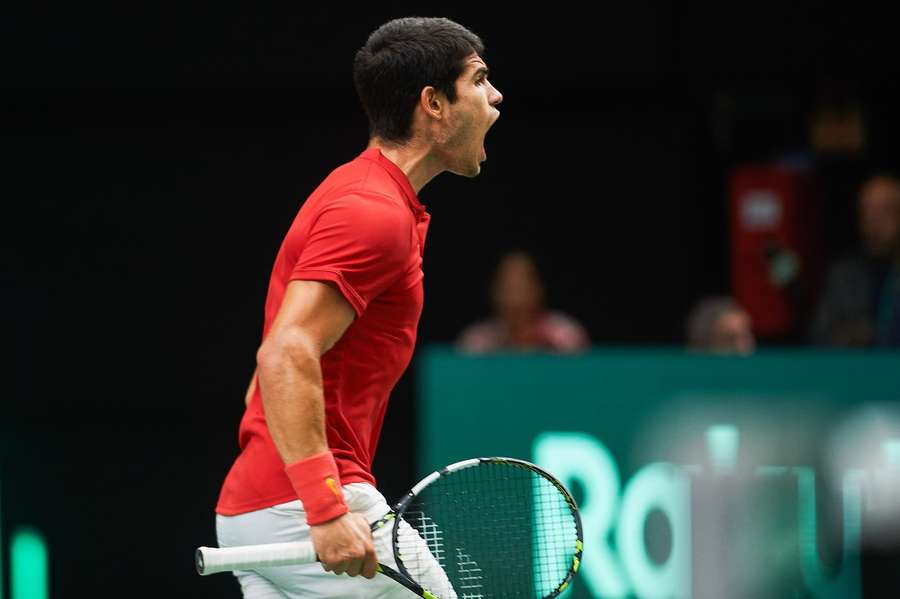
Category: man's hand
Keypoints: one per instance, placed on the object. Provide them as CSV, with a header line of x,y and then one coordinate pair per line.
x,y
344,545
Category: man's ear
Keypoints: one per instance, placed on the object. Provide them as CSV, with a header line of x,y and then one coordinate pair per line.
x,y
432,102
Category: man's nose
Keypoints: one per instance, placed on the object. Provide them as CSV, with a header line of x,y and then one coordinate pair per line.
x,y
496,97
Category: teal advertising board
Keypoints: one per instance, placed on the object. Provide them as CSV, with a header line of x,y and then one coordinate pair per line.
x,y
696,475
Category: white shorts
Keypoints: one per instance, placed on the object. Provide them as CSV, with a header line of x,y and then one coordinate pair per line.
x,y
286,522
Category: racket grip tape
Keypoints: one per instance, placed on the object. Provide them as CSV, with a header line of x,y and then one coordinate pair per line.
x,y
210,560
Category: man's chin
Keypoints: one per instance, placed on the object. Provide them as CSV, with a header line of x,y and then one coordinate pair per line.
x,y
469,172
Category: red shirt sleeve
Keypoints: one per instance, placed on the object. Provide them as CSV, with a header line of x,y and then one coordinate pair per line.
x,y
359,243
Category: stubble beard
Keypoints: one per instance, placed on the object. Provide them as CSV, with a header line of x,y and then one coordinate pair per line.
x,y
461,156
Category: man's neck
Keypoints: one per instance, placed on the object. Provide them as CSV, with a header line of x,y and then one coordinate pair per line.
x,y
416,162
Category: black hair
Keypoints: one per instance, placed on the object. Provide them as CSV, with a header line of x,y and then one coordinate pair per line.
x,y
402,57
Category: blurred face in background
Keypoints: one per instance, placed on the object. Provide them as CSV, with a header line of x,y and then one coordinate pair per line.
x,y
732,333
879,216
517,293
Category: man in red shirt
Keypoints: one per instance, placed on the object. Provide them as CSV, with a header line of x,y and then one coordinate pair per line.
x,y
341,313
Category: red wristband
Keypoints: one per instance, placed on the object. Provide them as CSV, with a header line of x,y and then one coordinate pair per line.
x,y
318,485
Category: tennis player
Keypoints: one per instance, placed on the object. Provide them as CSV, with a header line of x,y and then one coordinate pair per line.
x,y
341,314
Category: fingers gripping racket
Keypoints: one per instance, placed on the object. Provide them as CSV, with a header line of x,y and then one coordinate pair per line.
x,y
485,527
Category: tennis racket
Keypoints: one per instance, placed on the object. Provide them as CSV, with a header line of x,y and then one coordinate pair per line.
x,y
484,527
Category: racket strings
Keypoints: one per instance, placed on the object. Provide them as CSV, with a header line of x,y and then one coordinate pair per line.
x,y
496,530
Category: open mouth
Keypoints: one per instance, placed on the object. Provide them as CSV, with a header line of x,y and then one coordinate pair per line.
x,y
483,150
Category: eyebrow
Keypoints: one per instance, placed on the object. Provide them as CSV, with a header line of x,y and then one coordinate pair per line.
x,y
481,70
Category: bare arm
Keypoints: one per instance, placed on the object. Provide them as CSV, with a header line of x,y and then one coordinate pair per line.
x,y
312,318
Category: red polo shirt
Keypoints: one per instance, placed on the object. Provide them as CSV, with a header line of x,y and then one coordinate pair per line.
x,y
363,230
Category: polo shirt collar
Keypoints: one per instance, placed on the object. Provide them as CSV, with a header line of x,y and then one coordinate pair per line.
x,y
375,155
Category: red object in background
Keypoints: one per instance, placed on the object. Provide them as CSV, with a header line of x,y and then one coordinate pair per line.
x,y
775,255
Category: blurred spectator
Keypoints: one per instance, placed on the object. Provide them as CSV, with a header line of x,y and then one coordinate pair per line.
x,y
860,304
720,325
521,320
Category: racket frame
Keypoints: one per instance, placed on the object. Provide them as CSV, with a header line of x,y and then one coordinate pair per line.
x,y
401,506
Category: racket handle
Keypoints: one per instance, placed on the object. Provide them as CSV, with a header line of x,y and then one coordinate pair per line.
x,y
210,560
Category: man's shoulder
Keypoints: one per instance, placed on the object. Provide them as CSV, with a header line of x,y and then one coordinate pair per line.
x,y
361,177
352,206
354,200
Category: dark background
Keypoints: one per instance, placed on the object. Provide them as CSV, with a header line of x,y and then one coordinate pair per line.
x,y
154,158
